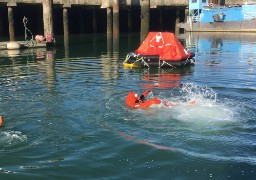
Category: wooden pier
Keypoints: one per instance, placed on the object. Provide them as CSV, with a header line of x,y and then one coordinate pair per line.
x,y
112,9
112,12
23,44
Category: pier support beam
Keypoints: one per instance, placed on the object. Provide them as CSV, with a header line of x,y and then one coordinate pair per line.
x,y
115,25
65,22
109,22
11,23
144,24
116,18
47,17
66,31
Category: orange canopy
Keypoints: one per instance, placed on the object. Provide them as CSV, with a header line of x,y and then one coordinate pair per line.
x,y
164,44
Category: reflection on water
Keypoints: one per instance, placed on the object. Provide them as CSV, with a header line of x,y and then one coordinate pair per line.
x,y
165,78
65,113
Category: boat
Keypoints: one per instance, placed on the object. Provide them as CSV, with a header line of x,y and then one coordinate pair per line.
x,y
159,49
215,15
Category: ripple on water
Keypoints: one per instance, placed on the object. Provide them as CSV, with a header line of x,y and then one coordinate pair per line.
x,y
203,130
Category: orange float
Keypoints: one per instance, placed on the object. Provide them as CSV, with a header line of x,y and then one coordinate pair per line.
x,y
1,121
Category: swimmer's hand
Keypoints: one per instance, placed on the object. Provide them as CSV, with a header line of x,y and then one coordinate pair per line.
x,y
169,104
193,102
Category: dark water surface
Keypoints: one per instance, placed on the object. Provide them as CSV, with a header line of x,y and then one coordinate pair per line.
x,y
66,118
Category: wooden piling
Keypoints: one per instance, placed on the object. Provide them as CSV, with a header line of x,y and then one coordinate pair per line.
x,y
66,31
144,24
47,17
11,23
109,22
65,22
116,18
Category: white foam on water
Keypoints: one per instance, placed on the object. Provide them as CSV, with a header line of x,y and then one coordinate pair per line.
x,y
205,109
11,138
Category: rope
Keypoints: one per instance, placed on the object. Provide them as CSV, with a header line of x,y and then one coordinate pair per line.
x,y
25,21
137,60
167,64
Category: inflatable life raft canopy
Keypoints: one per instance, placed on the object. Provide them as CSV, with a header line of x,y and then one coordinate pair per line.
x,y
160,49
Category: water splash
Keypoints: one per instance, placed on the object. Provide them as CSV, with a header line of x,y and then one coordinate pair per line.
x,y
206,109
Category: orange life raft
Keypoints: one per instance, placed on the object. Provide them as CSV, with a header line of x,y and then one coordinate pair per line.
x,y
133,100
160,49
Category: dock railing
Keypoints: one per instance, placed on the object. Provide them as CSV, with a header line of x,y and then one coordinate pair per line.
x,y
193,19
249,15
249,2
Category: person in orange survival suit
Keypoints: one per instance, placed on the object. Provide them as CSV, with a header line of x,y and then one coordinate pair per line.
x,y
133,100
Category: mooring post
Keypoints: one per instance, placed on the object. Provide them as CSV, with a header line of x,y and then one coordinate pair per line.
x,y
144,24
47,17
11,4
177,29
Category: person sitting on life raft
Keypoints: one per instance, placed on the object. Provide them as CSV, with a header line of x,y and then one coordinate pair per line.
x,y
136,101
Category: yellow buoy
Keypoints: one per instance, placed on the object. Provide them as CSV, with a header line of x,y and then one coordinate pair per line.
x,y
129,65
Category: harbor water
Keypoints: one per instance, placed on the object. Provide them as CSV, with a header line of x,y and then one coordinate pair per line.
x,y
65,115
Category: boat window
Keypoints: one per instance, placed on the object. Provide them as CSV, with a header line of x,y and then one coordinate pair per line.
x,y
204,1
194,1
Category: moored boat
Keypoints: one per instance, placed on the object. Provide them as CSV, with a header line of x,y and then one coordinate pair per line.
x,y
215,15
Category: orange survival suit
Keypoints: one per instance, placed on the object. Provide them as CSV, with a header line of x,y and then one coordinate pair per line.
x,y
133,100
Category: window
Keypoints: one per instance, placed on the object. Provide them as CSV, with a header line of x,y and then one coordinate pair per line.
x,y
194,1
204,1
